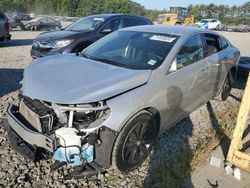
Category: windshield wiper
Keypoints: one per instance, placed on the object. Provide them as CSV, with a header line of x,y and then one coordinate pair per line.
x,y
83,55
108,61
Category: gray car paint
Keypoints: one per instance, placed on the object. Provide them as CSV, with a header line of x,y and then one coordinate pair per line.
x,y
174,95
70,79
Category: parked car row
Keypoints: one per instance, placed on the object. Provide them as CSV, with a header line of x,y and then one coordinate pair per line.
x,y
215,24
239,28
25,22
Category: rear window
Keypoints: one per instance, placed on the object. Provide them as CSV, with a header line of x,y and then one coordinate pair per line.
x,y
128,22
224,43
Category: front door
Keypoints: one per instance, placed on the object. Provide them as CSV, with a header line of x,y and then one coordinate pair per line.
x,y
187,87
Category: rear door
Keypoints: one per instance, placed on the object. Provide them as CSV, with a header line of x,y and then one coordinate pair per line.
x,y
217,58
188,86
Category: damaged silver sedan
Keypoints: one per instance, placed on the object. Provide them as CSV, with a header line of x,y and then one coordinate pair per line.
x,y
106,105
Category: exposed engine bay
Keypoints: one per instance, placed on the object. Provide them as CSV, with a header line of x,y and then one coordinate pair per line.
x,y
76,130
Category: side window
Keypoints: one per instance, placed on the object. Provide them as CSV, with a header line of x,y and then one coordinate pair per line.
x,y
128,22
25,17
224,43
113,24
42,21
191,51
50,21
213,44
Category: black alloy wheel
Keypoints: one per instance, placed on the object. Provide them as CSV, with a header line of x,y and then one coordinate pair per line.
x,y
135,142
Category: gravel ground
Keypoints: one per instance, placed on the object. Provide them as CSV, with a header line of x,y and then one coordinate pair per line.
x,y
18,172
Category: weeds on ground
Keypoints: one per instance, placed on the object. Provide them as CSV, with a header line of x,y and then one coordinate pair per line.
x,y
175,173
172,173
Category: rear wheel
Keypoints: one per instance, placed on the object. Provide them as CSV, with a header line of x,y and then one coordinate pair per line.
x,y
226,88
135,142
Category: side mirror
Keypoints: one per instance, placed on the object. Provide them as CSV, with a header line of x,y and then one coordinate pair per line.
x,y
173,67
106,31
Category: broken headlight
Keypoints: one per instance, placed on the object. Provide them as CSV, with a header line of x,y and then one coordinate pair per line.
x,y
82,116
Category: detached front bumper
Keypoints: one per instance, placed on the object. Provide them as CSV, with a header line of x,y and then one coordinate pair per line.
x,y
24,132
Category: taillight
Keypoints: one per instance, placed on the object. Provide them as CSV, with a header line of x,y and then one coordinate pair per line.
x,y
7,27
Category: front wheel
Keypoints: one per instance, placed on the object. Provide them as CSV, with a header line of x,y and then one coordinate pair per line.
x,y
135,142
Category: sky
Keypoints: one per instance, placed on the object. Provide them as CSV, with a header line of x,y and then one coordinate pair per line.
x,y
161,4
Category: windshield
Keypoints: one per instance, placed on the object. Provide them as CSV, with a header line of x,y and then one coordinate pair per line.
x,y
204,21
130,49
161,17
86,24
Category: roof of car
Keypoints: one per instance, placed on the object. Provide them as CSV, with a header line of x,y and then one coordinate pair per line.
x,y
113,15
209,19
173,30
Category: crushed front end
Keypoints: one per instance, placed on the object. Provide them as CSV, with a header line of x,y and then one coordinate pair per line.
x,y
73,134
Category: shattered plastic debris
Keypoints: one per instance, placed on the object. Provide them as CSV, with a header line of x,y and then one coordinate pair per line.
x,y
229,170
237,173
216,162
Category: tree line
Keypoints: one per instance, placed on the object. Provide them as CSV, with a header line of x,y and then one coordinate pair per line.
x,y
79,8
229,15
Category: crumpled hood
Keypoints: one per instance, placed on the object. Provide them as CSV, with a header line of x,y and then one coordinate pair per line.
x,y
69,79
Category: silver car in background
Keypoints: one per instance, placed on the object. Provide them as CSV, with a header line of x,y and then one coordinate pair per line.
x,y
106,105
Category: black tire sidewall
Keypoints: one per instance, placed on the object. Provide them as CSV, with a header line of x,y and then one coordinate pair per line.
x,y
117,158
226,91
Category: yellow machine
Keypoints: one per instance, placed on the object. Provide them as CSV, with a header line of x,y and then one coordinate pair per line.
x,y
176,15
168,19
189,20
238,153
173,19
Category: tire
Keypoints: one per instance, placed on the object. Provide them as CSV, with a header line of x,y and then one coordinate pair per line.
x,y
217,28
34,28
134,142
226,88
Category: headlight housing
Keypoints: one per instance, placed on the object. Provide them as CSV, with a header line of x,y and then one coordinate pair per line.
x,y
62,43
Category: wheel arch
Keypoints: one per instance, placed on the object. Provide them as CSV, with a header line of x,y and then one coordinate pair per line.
x,y
156,115
153,111
80,45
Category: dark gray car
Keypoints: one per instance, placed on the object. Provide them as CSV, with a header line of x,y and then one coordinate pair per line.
x,y
4,27
82,33
107,105
42,24
18,20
